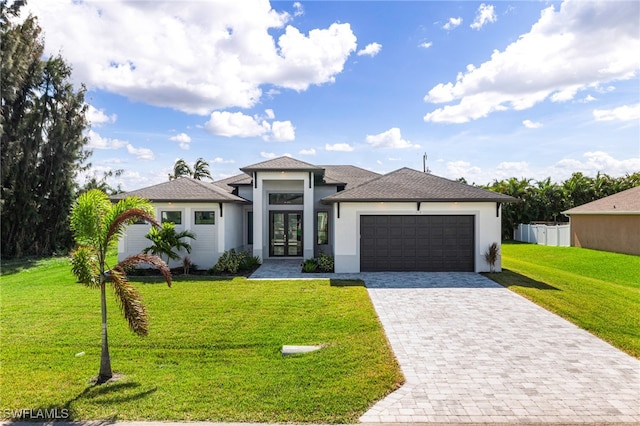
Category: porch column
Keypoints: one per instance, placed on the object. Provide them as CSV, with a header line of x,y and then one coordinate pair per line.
x,y
258,217
307,219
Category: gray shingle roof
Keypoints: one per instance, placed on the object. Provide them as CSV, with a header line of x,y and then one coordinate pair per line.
x,y
411,185
351,176
228,183
183,189
282,163
625,202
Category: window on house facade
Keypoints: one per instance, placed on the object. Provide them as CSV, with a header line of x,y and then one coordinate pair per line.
x,y
322,228
286,198
250,228
205,218
171,216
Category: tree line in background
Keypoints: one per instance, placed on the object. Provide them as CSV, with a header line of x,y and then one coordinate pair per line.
x,y
544,200
42,128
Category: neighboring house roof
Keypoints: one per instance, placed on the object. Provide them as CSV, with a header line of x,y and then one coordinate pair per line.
x,y
183,189
351,176
411,185
625,202
281,163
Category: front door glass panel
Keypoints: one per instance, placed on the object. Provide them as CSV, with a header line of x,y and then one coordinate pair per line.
x,y
285,234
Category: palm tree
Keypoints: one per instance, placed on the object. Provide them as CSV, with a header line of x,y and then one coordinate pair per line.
x,y
180,168
165,239
97,225
201,170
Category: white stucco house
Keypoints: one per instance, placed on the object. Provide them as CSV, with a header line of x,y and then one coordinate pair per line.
x,y
405,220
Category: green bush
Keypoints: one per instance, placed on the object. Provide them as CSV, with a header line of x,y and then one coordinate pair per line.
x,y
310,265
249,262
325,262
322,263
233,261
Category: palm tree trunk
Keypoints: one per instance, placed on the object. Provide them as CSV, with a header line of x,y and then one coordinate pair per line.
x,y
105,360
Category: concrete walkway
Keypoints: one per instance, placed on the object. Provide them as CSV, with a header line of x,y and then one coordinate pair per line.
x,y
474,352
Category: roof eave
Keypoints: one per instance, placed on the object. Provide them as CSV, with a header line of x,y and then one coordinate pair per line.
x,y
328,200
603,212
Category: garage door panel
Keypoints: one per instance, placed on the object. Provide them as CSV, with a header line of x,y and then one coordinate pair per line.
x,y
417,243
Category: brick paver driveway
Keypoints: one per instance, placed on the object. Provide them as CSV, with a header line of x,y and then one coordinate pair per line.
x,y
473,351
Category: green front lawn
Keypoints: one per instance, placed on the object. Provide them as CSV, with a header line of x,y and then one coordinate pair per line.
x,y
598,291
213,351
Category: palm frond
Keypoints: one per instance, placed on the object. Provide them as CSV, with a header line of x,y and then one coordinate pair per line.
x,y
126,218
114,225
150,259
87,216
84,265
130,303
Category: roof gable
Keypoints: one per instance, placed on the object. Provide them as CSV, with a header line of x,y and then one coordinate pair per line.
x,y
281,163
625,202
182,189
411,185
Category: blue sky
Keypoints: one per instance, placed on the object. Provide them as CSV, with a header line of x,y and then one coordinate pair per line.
x,y
489,90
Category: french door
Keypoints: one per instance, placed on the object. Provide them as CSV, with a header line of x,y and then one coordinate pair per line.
x,y
285,233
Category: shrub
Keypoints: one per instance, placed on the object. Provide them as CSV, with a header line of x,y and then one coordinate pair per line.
x,y
232,261
322,263
491,256
325,262
310,265
187,265
249,262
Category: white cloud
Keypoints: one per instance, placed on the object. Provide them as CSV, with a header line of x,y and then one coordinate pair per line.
x,y
426,44
587,99
198,57
271,155
230,124
310,151
282,131
622,113
237,124
532,124
344,147
97,117
452,23
220,160
98,142
372,49
566,51
485,15
460,168
270,114
507,169
390,139
593,163
183,139
141,153
299,10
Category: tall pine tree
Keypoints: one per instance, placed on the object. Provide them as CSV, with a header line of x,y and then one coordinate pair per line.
x,y
41,131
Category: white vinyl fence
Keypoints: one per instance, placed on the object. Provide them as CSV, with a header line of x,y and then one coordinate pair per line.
x,y
547,235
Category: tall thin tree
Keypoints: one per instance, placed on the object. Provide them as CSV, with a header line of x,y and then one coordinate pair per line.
x,y
97,226
42,122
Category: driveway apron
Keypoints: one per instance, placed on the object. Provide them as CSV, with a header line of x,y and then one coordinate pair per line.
x,y
473,351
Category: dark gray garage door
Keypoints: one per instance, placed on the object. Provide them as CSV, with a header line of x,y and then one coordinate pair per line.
x,y
417,243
